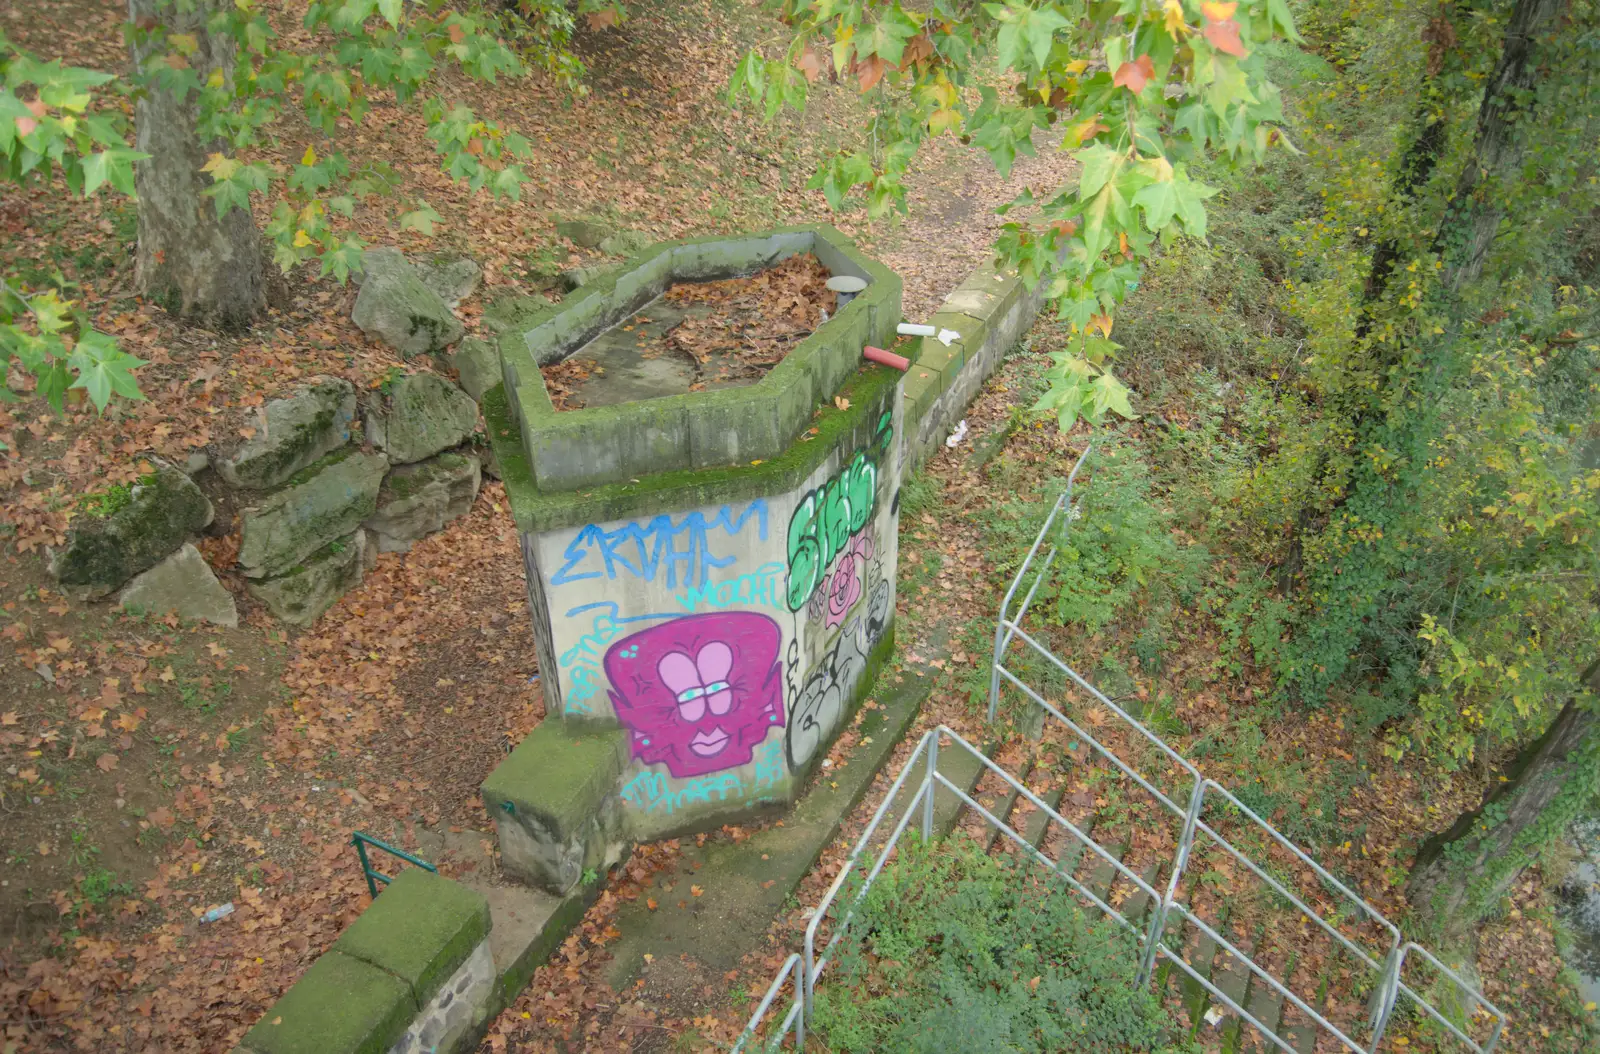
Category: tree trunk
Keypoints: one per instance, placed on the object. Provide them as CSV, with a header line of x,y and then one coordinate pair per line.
x,y
1461,872
193,263
1473,217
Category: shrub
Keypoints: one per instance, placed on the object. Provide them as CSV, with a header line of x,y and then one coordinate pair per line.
x,y
960,951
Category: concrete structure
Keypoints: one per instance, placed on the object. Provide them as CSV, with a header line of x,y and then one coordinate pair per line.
x,y
711,574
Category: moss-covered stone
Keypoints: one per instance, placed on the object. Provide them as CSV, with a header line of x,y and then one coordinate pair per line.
x,y
418,499
477,364
421,928
394,306
423,415
303,592
326,501
554,802
300,428
130,532
340,1006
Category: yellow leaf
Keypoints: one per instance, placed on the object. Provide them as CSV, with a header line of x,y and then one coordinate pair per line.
x,y
841,402
220,167
185,43
216,79
309,157
1218,12
301,239
1174,19
941,121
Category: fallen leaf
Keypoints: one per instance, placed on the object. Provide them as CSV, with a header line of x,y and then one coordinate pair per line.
x,y
695,891
106,762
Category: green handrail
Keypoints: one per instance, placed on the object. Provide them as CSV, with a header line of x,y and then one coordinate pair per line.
x,y
361,841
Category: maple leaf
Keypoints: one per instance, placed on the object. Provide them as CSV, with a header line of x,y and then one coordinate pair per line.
x,y
162,817
603,19
30,775
1173,21
106,762
1224,36
216,649
870,71
8,718
695,891
1219,12
1134,75
810,65
130,722
167,675
61,644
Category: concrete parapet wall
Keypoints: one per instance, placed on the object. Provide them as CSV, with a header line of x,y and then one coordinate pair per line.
x,y
573,449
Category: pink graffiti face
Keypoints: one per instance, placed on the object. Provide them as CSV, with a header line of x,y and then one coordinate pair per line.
x,y
700,692
842,585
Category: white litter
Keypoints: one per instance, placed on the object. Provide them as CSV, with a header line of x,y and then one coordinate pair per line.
x,y
913,329
216,913
1215,1015
958,435
948,337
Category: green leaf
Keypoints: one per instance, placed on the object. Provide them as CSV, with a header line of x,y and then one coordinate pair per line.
x,y
421,219
391,11
1111,394
1100,163
103,369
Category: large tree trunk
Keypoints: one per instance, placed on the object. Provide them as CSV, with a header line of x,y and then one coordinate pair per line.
x,y
1474,215
189,261
1461,872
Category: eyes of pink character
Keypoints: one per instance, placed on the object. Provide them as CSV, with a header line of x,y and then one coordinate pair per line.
x,y
699,682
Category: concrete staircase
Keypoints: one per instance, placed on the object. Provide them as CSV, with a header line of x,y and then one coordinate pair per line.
x,y
1114,834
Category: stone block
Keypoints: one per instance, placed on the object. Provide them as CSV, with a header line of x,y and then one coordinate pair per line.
x,y
626,243
182,583
453,278
509,312
421,928
306,590
340,1006
300,428
117,533
422,415
418,499
585,233
733,426
477,364
322,503
921,391
395,307
554,803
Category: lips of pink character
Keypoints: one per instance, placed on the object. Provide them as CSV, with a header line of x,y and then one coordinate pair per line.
x,y
709,743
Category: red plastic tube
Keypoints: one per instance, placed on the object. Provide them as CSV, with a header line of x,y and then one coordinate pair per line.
x,y
885,358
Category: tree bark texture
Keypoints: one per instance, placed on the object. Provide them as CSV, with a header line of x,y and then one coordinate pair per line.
x,y
1474,214
189,260
1459,873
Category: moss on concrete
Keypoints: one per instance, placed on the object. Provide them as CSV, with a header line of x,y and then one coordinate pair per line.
x,y
421,928
340,1006
558,775
867,392
573,449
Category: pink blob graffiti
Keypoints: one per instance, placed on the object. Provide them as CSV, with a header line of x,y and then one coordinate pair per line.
x,y
842,585
700,692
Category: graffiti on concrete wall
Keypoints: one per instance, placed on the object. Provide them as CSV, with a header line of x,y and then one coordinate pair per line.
x,y
842,585
650,791
819,705
580,664
762,587
683,551
700,692
826,518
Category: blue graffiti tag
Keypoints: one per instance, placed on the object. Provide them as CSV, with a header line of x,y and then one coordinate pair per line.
x,y
580,663
762,586
683,547
652,791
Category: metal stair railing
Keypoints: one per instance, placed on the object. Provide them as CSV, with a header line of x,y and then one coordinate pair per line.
x,y
1384,959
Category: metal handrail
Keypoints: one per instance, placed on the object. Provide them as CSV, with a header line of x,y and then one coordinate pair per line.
x,y
1162,904
361,841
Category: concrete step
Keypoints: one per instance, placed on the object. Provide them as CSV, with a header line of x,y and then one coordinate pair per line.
x,y
1010,803
1138,905
1034,829
1232,978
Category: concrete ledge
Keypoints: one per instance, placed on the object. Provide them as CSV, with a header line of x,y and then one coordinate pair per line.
x,y
571,449
991,310
341,1006
554,804
537,509
420,929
